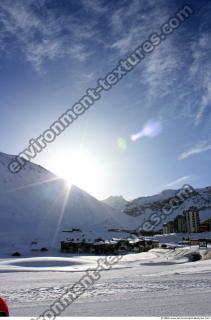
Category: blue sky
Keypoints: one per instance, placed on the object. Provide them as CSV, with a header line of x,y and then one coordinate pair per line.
x,y
52,51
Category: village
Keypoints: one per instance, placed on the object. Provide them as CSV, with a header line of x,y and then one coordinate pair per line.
x,y
187,223
114,246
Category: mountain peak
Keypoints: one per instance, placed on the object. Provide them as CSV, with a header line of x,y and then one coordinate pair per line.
x,y
117,202
36,204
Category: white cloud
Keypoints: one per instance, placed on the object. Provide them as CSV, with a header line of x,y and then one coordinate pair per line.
x,y
160,70
134,21
163,69
95,6
201,146
123,44
131,27
41,38
205,102
200,73
178,181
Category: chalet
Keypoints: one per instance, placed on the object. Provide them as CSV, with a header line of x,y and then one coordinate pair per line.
x,y
137,245
100,247
140,245
202,243
105,247
123,246
151,244
115,246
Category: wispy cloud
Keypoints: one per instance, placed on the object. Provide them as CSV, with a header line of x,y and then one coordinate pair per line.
x,y
95,6
163,71
43,34
205,102
200,73
160,70
132,22
177,181
201,146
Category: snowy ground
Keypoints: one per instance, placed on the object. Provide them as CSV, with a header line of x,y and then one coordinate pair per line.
x,y
160,282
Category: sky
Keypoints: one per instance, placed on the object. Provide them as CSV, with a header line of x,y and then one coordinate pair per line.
x,y
148,133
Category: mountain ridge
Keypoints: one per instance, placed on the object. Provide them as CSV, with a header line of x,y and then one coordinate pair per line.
x,y
36,204
142,208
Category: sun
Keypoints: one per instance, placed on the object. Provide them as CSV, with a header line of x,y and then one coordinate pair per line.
x,y
81,169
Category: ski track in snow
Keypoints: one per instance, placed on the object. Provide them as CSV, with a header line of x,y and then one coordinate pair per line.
x,y
140,285
106,289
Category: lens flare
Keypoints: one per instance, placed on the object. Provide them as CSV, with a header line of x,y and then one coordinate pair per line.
x,y
121,144
151,129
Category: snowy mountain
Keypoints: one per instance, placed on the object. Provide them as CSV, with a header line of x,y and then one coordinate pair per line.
x,y
116,202
35,205
142,208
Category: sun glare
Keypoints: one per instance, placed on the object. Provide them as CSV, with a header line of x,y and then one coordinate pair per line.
x,y
80,169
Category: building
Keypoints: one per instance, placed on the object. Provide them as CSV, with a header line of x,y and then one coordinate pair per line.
x,y
205,226
180,224
115,246
192,219
189,222
151,244
168,227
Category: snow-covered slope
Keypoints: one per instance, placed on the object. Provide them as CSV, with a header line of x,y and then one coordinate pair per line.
x,y
160,282
116,202
142,208
37,206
